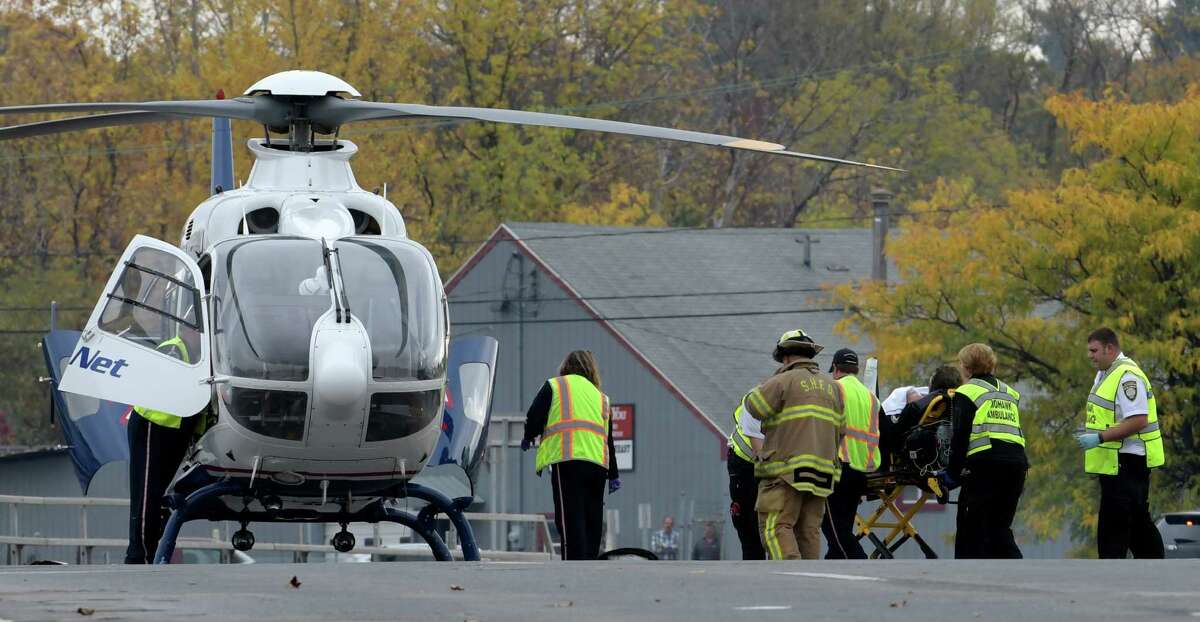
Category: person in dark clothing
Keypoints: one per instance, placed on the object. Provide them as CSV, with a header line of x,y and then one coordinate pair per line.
x,y
573,419
158,442
987,455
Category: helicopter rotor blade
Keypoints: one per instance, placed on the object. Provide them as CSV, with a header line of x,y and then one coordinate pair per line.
x,y
75,124
261,109
334,112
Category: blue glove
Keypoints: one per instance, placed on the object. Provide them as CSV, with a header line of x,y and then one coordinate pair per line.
x,y
526,443
614,485
1088,440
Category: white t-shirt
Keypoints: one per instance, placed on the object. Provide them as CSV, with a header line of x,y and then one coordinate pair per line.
x,y
1131,401
749,425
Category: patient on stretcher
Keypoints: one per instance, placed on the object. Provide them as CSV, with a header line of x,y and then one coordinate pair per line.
x,y
918,438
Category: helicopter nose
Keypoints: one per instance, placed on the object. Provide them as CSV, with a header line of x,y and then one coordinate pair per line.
x,y
341,377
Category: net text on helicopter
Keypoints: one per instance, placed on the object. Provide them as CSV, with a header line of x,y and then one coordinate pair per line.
x,y
303,318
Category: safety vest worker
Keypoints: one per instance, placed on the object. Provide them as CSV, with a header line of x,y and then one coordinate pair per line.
x,y
858,454
987,454
577,427
574,420
1122,443
158,442
743,486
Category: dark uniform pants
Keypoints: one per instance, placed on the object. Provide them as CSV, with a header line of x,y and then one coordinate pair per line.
x,y
1125,525
154,456
986,507
579,507
841,509
743,495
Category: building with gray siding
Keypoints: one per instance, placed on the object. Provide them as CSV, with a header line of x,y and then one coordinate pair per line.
x,y
682,322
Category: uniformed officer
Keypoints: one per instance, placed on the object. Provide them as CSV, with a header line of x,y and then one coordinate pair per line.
x,y
859,454
802,414
1123,443
158,442
745,443
574,420
987,454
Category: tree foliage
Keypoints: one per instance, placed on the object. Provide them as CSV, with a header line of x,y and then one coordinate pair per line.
x,y
1115,242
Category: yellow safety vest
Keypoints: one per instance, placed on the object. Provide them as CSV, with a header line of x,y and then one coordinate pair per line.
x,y
860,445
577,427
996,414
1102,415
739,442
166,420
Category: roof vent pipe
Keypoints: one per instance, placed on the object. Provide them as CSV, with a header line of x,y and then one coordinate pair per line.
x,y
881,202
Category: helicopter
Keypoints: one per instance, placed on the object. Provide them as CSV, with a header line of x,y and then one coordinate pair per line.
x,y
318,331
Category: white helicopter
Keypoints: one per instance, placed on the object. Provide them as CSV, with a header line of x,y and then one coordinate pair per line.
x,y
319,333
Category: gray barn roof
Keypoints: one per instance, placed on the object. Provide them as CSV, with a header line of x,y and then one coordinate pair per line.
x,y
712,360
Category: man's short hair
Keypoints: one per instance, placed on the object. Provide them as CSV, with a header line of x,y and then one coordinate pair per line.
x,y
976,359
1105,336
945,378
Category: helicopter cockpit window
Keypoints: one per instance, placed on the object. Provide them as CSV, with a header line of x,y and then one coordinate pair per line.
x,y
156,304
393,291
267,296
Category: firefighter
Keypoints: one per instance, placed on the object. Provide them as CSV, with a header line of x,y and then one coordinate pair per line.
x,y
859,454
1122,443
802,415
987,455
573,419
745,443
158,442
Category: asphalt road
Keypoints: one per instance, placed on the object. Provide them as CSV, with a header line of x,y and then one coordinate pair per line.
x,y
930,591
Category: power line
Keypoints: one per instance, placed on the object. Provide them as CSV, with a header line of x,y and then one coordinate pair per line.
x,y
635,296
697,341
632,318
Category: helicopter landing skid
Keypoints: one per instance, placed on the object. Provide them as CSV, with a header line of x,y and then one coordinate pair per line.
x,y
203,503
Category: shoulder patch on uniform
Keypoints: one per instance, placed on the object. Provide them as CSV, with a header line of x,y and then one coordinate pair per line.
x,y
1130,389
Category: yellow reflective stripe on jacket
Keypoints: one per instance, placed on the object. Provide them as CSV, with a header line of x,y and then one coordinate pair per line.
x,y
800,412
739,442
1101,410
166,420
779,467
757,406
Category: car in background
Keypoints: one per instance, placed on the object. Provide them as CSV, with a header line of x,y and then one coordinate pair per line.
x,y
1181,534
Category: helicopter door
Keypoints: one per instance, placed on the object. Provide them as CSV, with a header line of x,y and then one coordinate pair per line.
x,y
146,341
470,379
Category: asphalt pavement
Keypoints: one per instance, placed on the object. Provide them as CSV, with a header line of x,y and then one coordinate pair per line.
x,y
930,591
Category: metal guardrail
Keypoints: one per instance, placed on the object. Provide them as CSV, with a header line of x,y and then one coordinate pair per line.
x,y
16,544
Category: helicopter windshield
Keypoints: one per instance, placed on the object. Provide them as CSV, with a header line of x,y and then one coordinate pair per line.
x,y
393,291
268,295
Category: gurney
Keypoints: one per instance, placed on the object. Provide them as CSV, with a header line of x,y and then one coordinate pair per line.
x,y
889,519
889,526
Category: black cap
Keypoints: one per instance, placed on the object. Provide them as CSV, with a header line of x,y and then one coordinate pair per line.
x,y
844,357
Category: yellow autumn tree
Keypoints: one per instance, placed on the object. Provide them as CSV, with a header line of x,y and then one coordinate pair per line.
x,y
1116,242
